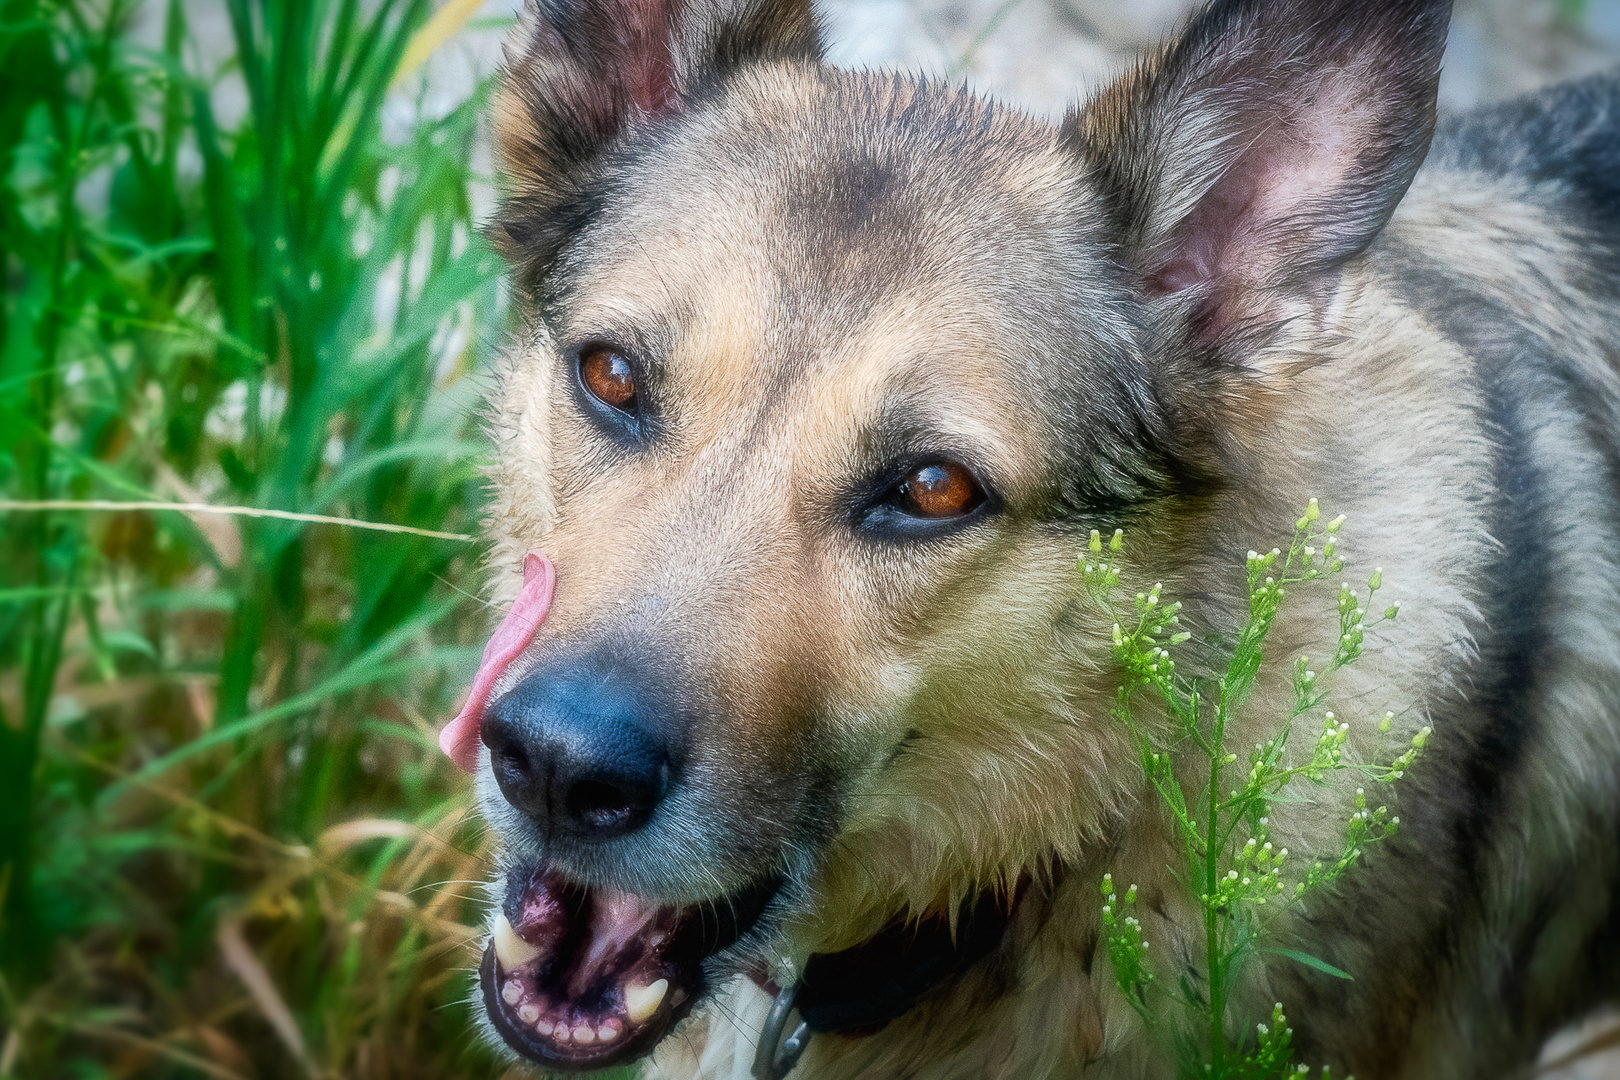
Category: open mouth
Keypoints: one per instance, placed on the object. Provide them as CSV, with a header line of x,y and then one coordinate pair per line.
x,y
578,978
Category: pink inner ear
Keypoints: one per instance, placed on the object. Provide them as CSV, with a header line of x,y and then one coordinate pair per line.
x,y
635,55
652,76
459,738
1257,217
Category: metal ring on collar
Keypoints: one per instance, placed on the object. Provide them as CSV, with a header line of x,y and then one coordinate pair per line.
x,y
776,1056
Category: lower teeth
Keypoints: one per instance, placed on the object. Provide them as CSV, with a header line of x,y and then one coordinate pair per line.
x,y
642,1000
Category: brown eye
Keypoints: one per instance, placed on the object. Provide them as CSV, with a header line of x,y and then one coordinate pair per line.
x,y
941,490
608,378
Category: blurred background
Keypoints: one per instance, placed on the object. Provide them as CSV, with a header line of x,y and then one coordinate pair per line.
x,y
243,269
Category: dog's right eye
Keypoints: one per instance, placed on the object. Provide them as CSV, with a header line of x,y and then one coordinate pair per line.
x,y
609,378
941,490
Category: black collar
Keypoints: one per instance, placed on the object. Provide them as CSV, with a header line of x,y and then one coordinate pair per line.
x,y
860,990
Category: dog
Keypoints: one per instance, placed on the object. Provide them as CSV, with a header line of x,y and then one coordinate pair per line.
x,y
797,737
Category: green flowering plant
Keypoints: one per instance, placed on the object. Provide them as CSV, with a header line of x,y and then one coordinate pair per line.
x,y
1241,882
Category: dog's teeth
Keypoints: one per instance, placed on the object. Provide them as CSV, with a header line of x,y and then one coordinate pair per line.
x,y
561,1032
512,992
610,1030
511,950
529,1013
583,1035
640,1002
545,1027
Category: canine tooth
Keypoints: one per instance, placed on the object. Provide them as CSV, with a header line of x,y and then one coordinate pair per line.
x,y
512,992
511,950
584,1035
529,1013
641,1002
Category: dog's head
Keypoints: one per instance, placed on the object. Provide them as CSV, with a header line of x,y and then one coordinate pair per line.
x,y
825,378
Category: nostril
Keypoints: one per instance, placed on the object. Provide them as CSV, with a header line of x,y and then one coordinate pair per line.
x,y
603,808
512,758
506,752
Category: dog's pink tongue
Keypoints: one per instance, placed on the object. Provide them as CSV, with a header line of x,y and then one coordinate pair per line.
x,y
459,738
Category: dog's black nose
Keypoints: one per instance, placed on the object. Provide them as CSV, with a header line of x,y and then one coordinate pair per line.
x,y
574,747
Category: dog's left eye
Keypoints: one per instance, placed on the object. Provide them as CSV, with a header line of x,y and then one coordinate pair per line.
x,y
609,378
939,490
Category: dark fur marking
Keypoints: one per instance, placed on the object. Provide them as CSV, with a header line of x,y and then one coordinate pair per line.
x,y
840,211
1088,951
1567,134
1566,137
904,746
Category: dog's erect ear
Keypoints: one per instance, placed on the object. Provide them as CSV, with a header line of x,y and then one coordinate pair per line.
x,y
582,74
1267,145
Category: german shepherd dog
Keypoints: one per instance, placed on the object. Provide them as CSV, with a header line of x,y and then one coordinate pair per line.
x,y
824,380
